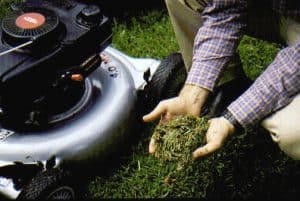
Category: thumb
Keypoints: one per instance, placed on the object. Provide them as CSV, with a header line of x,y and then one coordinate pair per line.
x,y
152,146
156,113
204,150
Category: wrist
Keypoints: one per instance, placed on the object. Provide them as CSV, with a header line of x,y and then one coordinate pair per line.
x,y
232,120
195,95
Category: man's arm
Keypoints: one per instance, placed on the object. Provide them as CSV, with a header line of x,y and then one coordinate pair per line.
x,y
216,41
272,90
215,44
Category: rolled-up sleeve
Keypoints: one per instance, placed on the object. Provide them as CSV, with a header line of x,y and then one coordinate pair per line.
x,y
272,90
216,41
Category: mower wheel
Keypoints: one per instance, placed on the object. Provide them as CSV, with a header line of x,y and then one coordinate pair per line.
x,y
52,184
167,81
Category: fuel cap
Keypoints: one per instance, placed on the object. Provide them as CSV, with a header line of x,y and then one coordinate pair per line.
x,y
90,16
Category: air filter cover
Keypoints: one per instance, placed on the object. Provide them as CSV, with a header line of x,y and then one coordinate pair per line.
x,y
31,23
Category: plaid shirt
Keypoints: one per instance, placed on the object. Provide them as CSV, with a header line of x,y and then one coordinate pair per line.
x,y
216,43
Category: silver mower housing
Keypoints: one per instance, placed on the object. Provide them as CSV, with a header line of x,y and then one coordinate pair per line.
x,y
97,125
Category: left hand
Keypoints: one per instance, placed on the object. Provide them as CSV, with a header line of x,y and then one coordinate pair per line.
x,y
218,131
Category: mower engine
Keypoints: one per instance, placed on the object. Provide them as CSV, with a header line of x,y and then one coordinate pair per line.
x,y
47,49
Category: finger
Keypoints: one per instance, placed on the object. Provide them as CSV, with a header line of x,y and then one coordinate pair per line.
x,y
158,111
211,134
165,118
162,120
212,131
104,58
205,150
152,146
209,121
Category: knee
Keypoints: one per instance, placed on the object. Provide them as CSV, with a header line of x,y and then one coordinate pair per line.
x,y
173,4
286,136
285,128
169,2
292,151
289,143
288,140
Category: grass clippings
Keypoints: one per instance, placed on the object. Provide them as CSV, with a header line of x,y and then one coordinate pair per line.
x,y
169,173
248,166
177,139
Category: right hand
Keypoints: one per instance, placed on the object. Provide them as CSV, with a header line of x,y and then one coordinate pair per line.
x,y
188,102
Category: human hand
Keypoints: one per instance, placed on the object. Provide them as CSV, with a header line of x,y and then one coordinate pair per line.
x,y
188,102
218,131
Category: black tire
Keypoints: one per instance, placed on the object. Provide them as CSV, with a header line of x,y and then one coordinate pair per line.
x,y
223,95
49,185
170,78
167,81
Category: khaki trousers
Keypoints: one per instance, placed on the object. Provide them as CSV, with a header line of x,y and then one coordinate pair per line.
x,y
185,15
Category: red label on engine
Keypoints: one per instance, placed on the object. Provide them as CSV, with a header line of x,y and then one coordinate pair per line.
x,y
30,20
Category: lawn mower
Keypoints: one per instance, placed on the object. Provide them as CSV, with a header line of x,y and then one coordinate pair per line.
x,y
67,97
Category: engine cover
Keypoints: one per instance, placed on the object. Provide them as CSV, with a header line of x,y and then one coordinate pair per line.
x,y
63,36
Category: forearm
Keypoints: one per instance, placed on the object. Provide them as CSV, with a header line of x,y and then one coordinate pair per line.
x,y
216,41
195,95
272,90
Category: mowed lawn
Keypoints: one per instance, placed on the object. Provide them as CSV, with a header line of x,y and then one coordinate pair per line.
x,y
257,168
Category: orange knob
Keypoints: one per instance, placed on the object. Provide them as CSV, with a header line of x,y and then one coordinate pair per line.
x,y
77,77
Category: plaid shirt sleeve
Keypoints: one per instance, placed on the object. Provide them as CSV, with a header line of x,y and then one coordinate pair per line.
x,y
272,90
215,44
216,41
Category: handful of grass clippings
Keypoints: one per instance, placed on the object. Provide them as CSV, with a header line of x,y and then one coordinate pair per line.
x,y
176,140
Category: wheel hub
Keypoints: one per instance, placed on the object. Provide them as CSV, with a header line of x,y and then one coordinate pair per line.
x,y
62,193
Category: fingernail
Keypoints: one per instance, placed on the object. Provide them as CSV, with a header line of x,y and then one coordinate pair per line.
x,y
151,150
144,118
152,146
193,155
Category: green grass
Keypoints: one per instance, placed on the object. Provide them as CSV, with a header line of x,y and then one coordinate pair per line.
x,y
147,35
4,6
248,166
256,55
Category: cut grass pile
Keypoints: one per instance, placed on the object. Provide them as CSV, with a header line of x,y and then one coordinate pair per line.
x,y
176,140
